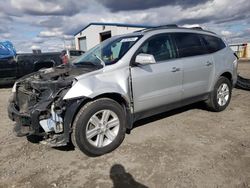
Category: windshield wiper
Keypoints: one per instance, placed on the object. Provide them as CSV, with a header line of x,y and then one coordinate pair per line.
x,y
102,62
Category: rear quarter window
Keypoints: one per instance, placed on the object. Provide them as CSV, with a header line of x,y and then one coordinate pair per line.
x,y
213,44
189,44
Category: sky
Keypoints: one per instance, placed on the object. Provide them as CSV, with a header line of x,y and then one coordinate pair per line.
x,y
50,25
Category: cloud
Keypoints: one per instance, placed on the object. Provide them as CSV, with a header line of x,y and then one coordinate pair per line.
x,y
5,36
129,5
68,37
35,47
196,20
46,7
226,33
50,24
47,34
3,30
4,17
38,40
191,25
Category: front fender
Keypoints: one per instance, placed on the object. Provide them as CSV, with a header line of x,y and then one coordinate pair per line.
x,y
116,81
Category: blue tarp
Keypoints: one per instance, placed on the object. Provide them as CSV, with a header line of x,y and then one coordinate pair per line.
x,y
7,50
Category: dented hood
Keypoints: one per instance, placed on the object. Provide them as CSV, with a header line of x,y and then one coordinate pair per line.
x,y
48,82
64,71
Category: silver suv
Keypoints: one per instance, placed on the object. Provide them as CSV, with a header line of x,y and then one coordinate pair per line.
x,y
126,78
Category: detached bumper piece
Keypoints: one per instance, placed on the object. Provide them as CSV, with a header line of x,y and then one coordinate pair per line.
x,y
55,141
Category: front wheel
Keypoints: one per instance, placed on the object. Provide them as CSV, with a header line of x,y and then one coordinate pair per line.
x,y
99,127
221,95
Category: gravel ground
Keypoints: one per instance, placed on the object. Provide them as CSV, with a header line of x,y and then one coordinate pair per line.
x,y
243,69
187,147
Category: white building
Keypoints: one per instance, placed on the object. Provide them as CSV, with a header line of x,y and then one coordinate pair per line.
x,y
94,33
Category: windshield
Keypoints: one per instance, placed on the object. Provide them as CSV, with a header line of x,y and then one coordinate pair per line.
x,y
108,52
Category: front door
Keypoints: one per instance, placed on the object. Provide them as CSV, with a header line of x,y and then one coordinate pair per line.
x,y
159,84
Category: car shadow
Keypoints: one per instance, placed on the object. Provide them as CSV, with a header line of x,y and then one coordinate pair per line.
x,y
68,147
199,105
123,179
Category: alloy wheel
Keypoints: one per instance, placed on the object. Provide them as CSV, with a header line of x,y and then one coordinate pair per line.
x,y
102,128
223,94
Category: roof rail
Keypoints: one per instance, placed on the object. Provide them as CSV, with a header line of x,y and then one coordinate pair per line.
x,y
168,26
199,28
171,26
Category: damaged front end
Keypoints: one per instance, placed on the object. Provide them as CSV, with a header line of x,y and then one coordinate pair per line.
x,y
37,104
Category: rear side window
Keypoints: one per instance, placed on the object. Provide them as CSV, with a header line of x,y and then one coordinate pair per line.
x,y
189,44
160,47
213,44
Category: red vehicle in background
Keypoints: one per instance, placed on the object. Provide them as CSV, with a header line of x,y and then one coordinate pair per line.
x,y
70,55
64,57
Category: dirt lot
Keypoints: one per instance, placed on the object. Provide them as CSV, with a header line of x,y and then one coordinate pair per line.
x,y
188,147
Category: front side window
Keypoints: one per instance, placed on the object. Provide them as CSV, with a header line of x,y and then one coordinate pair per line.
x,y
212,43
189,44
109,52
160,47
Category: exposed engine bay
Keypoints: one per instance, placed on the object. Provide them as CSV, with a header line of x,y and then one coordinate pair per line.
x,y
37,103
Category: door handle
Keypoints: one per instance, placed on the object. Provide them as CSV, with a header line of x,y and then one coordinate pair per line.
x,y
208,63
175,69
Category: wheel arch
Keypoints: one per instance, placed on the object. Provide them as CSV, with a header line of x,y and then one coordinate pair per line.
x,y
227,75
122,100
114,96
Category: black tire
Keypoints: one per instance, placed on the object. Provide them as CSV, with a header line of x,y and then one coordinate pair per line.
x,y
212,102
243,83
82,118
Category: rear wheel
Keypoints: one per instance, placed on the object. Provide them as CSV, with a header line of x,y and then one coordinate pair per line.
x,y
221,95
99,127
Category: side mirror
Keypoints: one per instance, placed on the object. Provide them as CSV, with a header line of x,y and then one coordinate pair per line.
x,y
145,59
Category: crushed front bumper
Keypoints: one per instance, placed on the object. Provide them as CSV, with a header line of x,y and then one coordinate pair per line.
x,y
26,124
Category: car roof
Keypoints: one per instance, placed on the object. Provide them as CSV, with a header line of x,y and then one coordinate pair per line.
x,y
167,29
175,29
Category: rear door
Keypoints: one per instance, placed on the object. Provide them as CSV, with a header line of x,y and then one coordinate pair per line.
x,y
197,64
158,84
